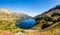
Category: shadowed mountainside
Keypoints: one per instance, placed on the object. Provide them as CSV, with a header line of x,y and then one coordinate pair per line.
x,y
48,20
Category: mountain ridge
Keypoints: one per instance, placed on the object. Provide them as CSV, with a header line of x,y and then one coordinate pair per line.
x,y
56,7
49,19
6,13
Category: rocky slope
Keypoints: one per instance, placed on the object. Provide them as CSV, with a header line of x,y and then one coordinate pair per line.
x,y
49,20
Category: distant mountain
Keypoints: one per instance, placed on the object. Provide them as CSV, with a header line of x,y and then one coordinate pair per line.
x,y
5,13
21,15
49,19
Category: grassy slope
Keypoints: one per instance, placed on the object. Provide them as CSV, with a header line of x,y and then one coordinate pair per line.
x,y
49,23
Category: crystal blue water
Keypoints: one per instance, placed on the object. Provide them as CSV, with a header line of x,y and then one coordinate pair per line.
x,y
26,24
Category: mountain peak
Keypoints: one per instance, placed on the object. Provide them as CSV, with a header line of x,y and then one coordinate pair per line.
x,y
2,10
58,5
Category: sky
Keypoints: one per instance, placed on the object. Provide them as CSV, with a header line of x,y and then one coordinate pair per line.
x,y
29,7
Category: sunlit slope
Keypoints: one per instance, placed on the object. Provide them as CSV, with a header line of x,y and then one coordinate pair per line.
x,y
49,20
8,20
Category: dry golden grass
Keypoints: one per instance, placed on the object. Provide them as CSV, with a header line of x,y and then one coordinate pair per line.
x,y
50,32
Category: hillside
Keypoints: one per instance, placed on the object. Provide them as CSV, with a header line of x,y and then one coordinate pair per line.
x,y
49,20
22,16
47,23
9,19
